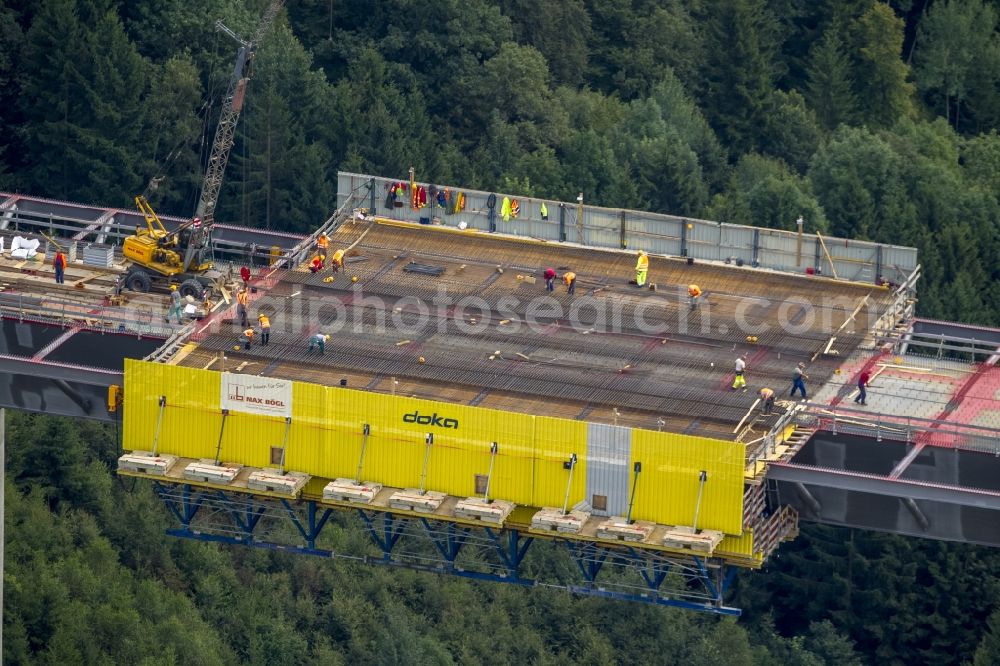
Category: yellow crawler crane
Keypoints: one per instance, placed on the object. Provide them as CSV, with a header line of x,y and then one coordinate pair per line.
x,y
174,256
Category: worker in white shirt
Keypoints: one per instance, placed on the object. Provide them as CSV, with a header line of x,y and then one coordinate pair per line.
x,y
739,381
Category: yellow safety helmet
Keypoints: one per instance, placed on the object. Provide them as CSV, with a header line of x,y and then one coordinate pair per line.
x,y
173,287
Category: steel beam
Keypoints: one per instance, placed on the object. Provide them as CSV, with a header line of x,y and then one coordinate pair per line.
x,y
883,485
702,584
80,374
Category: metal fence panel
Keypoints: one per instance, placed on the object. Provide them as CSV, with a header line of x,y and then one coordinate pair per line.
x,y
608,453
656,233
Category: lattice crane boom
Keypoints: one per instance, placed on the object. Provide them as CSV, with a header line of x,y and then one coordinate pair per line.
x,y
232,105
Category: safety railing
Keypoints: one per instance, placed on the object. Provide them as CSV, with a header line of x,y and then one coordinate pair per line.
x,y
301,251
101,318
763,448
781,525
909,429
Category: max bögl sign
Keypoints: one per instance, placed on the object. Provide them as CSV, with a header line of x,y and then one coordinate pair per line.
x,y
256,395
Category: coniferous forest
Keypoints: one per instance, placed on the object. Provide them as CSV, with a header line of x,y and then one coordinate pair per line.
x,y
873,120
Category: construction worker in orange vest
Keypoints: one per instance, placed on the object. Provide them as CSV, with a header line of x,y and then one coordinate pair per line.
x,y
247,337
265,328
569,278
694,295
322,243
767,401
241,306
60,265
338,261
317,263
641,269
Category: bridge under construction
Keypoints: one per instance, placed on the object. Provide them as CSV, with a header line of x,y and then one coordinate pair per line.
x,y
459,412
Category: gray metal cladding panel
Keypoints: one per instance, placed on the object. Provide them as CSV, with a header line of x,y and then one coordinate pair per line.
x,y
904,258
703,232
609,449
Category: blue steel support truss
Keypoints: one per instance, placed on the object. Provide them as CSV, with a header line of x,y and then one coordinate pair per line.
x,y
487,553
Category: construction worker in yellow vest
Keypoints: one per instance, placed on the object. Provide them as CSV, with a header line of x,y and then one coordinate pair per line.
x,y
569,278
338,261
766,401
247,338
694,295
265,328
641,269
241,306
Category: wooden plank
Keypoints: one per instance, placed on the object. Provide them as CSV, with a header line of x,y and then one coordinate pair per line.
x,y
827,253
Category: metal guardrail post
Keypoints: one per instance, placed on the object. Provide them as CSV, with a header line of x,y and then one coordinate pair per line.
x,y
159,421
635,482
365,431
571,464
427,456
702,478
489,475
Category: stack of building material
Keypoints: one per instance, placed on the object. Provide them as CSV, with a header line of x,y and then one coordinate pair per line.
x,y
413,499
349,490
144,462
273,481
619,529
703,541
487,511
552,519
206,471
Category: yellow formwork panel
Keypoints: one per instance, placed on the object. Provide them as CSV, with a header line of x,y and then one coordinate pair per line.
x,y
667,490
555,441
191,415
395,455
460,450
248,439
327,431
740,546
310,437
